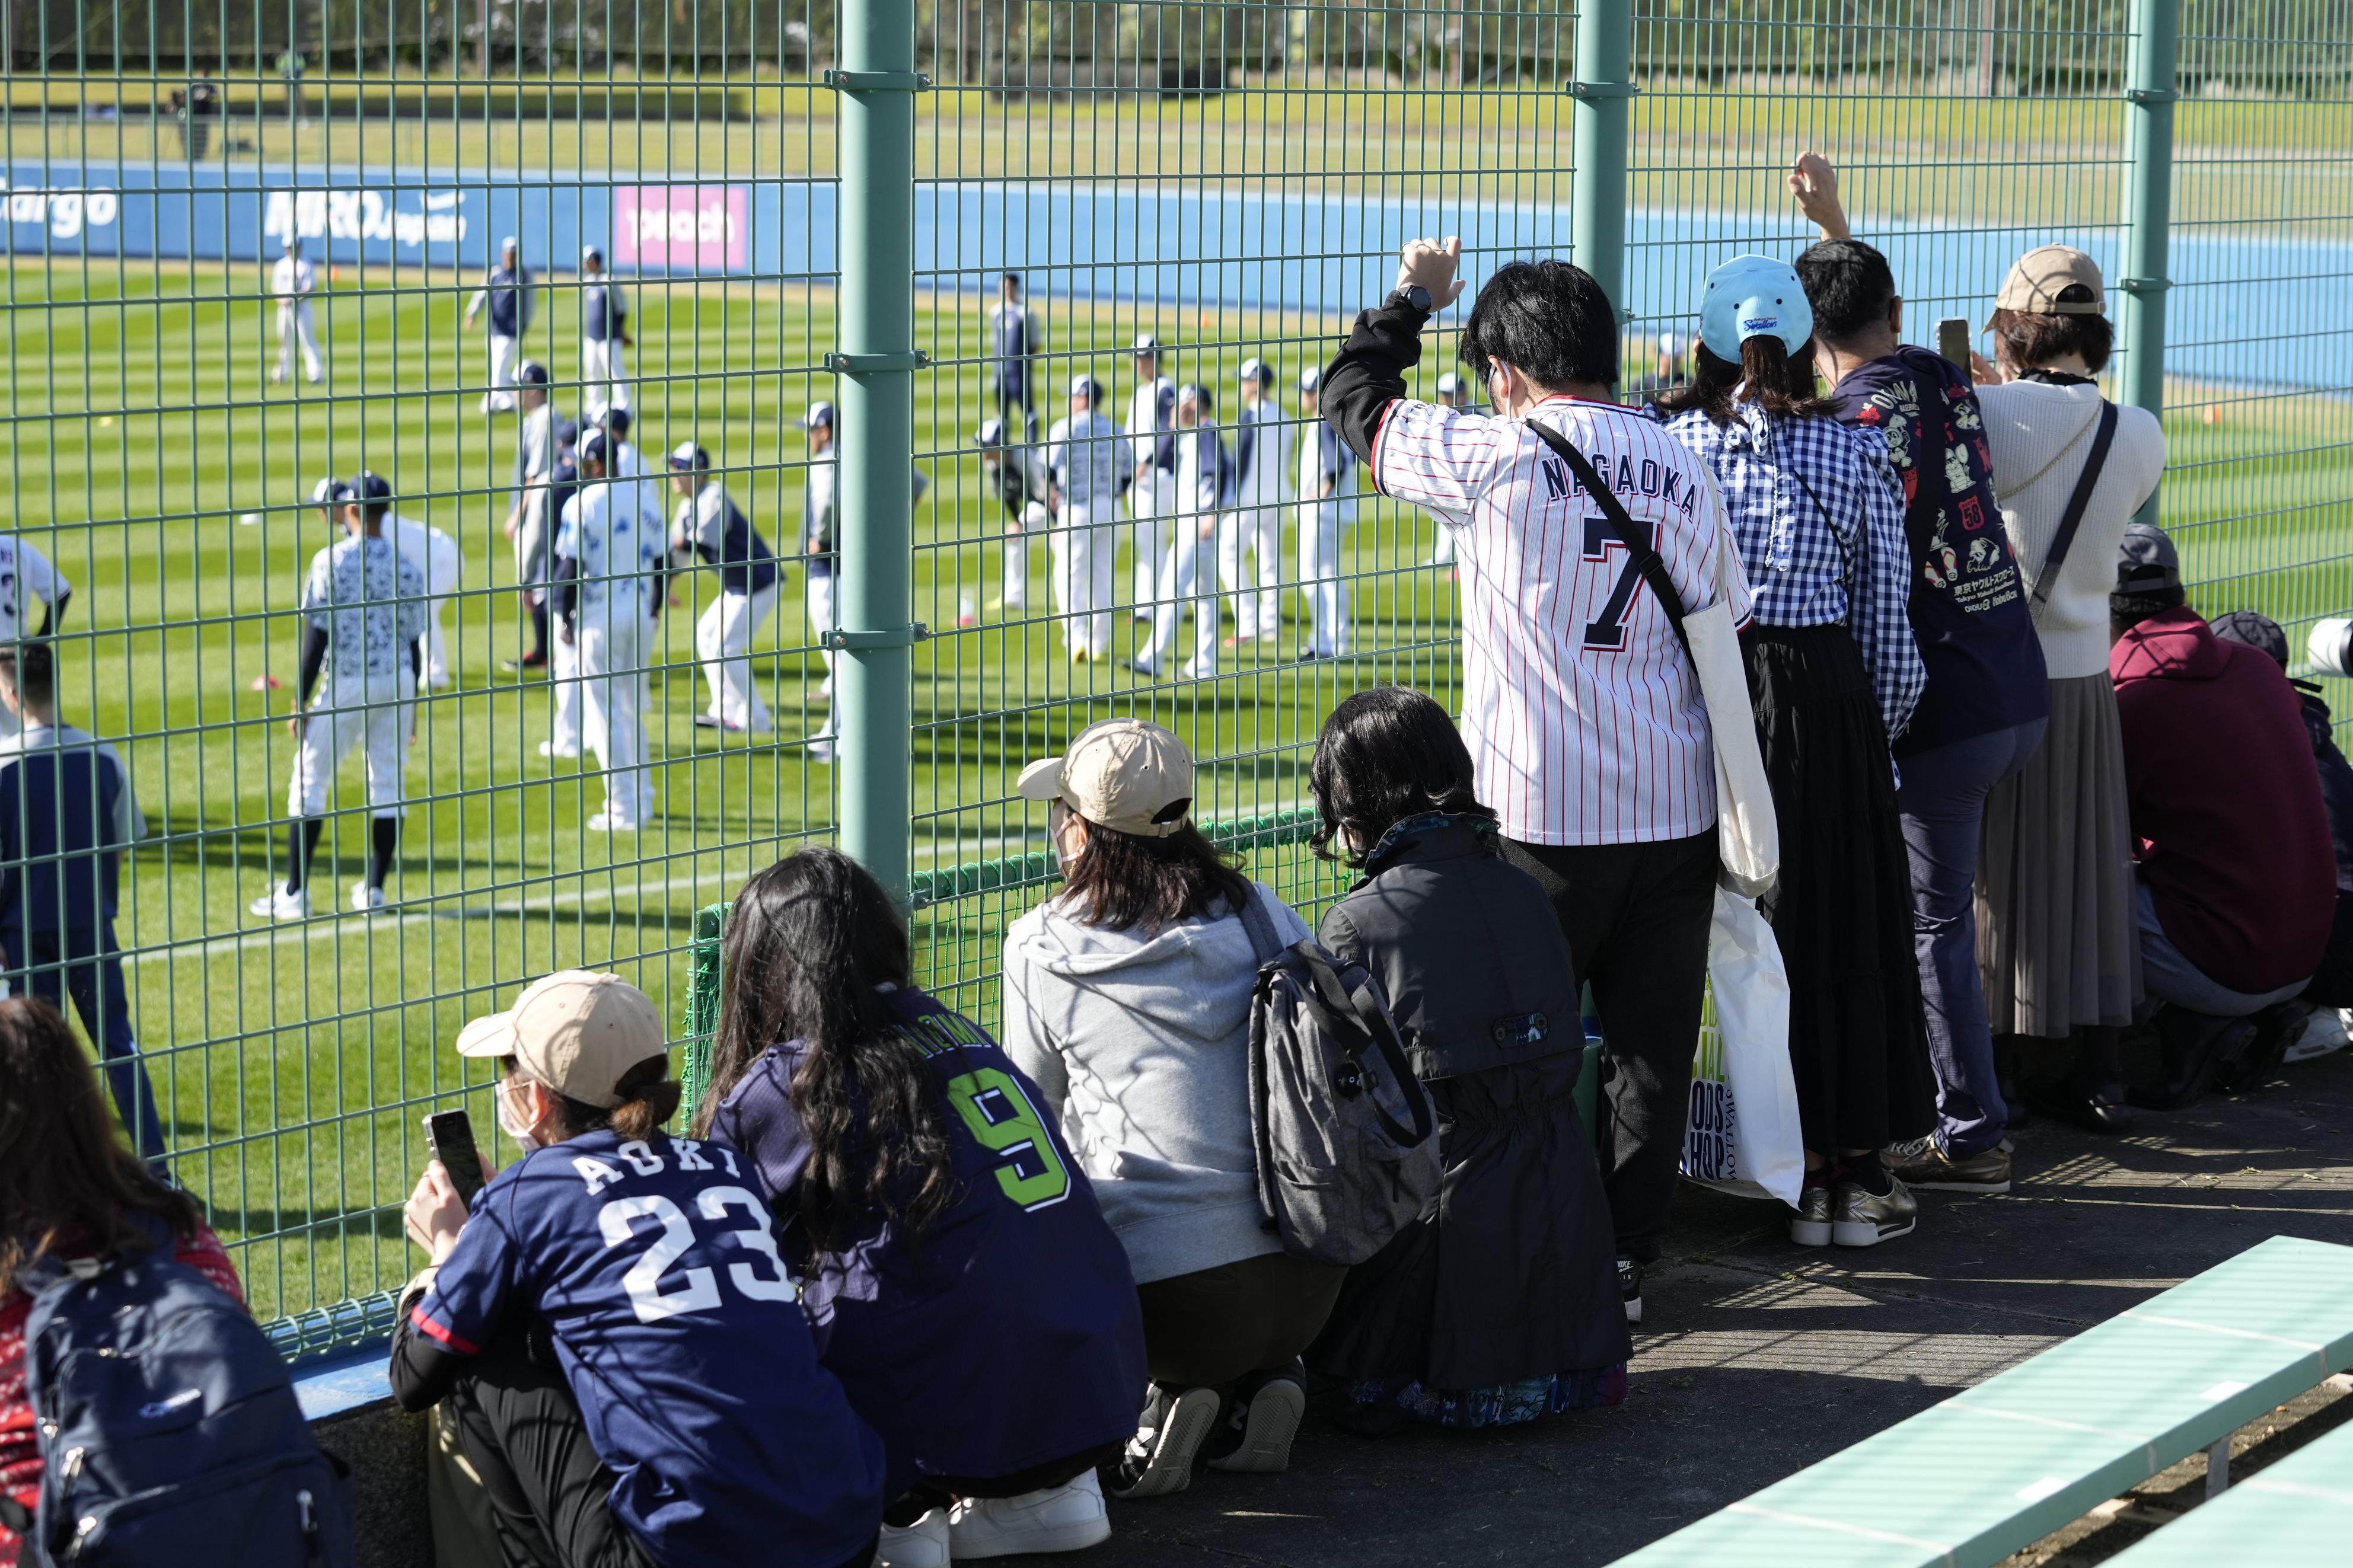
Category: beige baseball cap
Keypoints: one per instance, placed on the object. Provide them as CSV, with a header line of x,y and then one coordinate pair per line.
x,y
578,1031
1122,773
2037,277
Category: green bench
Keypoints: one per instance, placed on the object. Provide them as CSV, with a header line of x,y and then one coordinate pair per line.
x,y
2297,1513
2001,1465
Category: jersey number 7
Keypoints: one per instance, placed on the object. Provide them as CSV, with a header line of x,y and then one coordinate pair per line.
x,y
1608,629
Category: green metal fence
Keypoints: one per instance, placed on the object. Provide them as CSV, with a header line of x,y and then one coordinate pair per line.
x,y
809,204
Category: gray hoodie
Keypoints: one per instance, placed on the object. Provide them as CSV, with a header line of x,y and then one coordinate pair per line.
x,y
1141,1046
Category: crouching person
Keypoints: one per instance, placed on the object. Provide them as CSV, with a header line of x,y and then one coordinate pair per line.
x,y
961,1278
1127,1000
1501,1304
631,1374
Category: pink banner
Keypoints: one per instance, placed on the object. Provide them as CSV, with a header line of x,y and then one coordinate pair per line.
x,y
703,228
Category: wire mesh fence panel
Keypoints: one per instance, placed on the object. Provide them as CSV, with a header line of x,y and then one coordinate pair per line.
x,y
1136,227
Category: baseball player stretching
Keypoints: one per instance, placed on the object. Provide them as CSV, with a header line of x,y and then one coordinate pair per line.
x,y
711,525
1261,488
433,552
363,610
607,577
1327,505
26,574
1085,454
1152,487
292,281
604,333
508,293
1205,489
530,516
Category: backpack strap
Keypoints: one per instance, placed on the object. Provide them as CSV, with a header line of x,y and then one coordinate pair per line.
x,y
1645,555
2073,518
16,1517
1264,942
1359,1014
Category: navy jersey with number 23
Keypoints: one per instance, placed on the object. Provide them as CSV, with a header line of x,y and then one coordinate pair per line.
x,y
654,1265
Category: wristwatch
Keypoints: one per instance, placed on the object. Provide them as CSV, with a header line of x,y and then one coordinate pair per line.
x,y
1413,295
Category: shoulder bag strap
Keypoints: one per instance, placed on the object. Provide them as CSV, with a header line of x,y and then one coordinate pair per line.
x,y
1645,555
2073,518
1264,941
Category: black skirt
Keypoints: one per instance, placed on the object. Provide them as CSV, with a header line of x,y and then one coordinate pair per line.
x,y
1842,908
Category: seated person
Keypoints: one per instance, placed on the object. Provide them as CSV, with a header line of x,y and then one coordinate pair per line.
x,y
1501,1304
950,1252
2332,982
1127,1001
2236,884
633,1378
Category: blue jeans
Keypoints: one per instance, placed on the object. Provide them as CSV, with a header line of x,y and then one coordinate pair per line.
x,y
1942,802
2169,978
86,966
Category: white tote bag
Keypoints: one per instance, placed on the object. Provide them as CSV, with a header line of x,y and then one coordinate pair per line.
x,y
1742,1133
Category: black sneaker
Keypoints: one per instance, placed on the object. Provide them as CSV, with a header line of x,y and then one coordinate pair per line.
x,y
1159,1457
1629,1288
1261,1416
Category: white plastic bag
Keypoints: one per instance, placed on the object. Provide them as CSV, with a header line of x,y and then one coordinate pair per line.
x,y
1742,1133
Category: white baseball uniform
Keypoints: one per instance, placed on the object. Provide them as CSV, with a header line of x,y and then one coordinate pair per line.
x,y
293,279
1325,458
25,576
603,317
615,553
439,560
370,601
1581,710
508,294
1084,456
820,554
714,527
1263,440
1150,413
1204,490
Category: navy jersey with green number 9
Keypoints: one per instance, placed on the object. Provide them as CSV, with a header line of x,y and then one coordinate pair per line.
x,y
998,1113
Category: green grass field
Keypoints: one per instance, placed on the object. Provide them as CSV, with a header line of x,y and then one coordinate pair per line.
x,y
293,1061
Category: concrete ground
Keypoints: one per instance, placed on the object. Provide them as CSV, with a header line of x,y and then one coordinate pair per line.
x,y
1756,1358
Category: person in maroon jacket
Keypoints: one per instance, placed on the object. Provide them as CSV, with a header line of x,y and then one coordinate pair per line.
x,y
2236,873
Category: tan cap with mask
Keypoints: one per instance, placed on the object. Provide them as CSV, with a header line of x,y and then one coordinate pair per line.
x,y
2037,277
1122,773
578,1031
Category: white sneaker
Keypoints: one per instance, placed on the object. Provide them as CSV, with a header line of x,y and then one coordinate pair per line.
x,y
820,748
2323,1032
922,1545
550,749
606,822
366,899
277,904
1068,1517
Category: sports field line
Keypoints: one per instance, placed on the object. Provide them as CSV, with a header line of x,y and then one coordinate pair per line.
x,y
325,926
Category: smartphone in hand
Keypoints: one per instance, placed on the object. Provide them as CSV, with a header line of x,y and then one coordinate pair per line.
x,y
1953,340
450,1134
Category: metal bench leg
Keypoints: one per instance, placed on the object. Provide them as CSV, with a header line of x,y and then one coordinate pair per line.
x,y
2218,1467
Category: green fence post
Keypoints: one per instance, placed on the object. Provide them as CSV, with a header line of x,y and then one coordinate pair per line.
x,y
2156,28
875,327
1596,241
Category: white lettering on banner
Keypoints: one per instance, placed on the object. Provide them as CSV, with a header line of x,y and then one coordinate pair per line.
x,y
363,215
68,213
685,226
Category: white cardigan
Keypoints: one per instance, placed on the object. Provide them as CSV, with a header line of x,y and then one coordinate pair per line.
x,y
2040,435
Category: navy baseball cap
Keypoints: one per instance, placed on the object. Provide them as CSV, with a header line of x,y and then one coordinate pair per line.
x,y
2255,630
819,414
369,488
2147,562
1259,371
595,444
590,252
1310,379
329,491
530,373
686,457
616,420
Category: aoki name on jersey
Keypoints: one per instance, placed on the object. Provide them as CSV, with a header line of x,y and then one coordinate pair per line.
x,y
723,1208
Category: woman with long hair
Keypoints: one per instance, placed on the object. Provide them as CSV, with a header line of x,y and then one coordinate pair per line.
x,y
69,1188
2057,935
1501,1304
1833,674
625,1356
950,1252
1127,1001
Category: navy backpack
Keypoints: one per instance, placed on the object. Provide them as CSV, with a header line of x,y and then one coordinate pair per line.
x,y
168,1426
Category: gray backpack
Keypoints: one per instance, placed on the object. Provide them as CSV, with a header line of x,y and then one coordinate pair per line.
x,y
1347,1154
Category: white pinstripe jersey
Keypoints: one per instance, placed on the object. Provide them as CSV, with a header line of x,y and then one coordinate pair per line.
x,y
1581,710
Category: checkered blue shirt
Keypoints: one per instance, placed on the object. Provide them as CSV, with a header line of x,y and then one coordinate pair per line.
x,y
1845,563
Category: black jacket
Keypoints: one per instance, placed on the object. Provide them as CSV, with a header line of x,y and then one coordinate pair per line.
x,y
1511,1275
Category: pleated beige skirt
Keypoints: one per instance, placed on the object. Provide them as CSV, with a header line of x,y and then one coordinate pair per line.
x,y
2057,941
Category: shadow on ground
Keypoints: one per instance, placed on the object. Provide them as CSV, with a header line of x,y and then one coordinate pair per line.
x,y
1756,1358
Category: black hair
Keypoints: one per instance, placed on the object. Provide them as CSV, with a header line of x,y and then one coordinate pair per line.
x,y
32,670
1386,755
616,420
810,943
1766,374
2126,611
648,1100
2029,338
1548,319
1126,881
1849,286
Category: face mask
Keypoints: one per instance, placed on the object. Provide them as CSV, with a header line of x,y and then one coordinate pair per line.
x,y
507,1124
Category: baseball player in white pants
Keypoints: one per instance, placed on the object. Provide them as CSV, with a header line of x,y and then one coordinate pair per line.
x,y
1328,504
710,525
436,557
292,281
1152,481
364,626
608,574
1205,485
508,294
26,574
1261,496
1086,453
604,334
